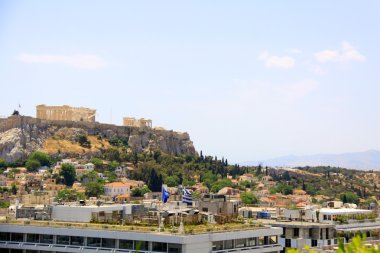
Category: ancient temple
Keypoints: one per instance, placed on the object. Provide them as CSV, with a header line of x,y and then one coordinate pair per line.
x,y
65,112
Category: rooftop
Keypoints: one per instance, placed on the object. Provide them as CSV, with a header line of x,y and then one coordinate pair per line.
x,y
342,211
189,229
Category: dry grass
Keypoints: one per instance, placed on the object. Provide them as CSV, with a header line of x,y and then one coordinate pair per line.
x,y
53,146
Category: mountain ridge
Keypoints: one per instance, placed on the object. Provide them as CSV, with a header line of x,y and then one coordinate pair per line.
x,y
366,160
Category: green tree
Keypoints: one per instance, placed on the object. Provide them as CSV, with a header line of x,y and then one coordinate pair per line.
x,y
349,197
69,195
91,176
94,189
4,204
112,154
208,178
14,188
32,165
139,192
42,157
221,184
113,165
172,181
196,195
356,246
3,164
68,173
98,163
83,141
248,198
155,181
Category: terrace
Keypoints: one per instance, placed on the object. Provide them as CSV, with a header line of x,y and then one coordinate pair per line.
x,y
168,229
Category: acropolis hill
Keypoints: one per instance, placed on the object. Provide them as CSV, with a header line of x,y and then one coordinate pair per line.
x,y
22,135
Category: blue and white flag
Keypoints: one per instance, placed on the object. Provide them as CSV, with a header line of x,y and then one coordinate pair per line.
x,y
165,194
187,197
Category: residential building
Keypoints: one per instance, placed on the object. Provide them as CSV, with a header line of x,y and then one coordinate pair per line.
x,y
116,188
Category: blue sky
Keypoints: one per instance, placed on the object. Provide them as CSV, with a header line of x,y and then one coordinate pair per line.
x,y
248,80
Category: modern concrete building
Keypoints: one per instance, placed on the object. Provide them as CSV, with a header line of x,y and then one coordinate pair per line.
x,y
297,234
39,239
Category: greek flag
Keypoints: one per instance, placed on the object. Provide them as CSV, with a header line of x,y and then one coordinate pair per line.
x,y
187,197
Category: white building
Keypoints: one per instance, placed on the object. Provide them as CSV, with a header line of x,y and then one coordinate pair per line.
x,y
22,238
116,188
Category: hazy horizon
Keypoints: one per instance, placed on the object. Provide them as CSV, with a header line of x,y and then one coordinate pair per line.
x,y
247,80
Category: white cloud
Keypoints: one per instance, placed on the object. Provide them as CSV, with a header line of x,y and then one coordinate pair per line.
x,y
346,53
272,61
79,61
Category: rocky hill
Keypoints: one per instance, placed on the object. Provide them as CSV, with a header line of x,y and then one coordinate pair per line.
x,y
22,135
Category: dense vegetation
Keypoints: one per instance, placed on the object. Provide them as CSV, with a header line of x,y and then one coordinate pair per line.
x,y
156,168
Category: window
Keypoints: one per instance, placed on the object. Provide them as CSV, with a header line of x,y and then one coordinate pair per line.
x,y
273,239
204,209
77,240
266,240
5,236
296,232
314,243
229,244
310,232
33,238
159,246
125,244
288,243
94,242
327,233
108,243
218,245
240,243
63,239
142,245
174,248
261,240
46,238
17,237
252,241
17,251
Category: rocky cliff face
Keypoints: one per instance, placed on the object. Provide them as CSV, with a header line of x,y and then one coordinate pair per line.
x,y
20,136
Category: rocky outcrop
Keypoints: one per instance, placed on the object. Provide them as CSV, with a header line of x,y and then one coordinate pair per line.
x,y
20,136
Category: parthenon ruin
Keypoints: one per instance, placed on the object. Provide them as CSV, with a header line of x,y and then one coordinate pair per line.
x,y
133,122
65,112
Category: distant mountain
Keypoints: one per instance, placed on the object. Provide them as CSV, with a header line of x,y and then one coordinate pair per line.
x,y
368,160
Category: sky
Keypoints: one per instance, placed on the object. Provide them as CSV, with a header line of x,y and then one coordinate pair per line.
x,y
248,80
